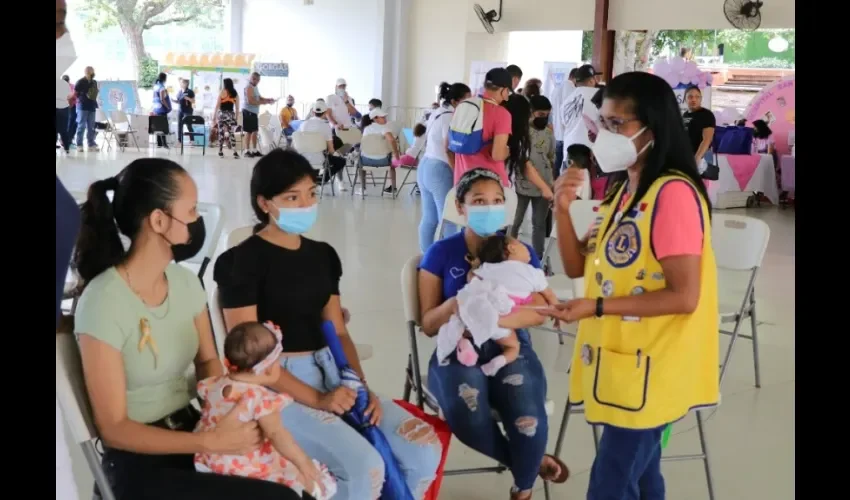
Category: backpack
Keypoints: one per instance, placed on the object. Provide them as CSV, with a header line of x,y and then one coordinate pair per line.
x,y
466,130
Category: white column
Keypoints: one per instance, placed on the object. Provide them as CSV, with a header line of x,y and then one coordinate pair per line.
x,y
233,25
394,54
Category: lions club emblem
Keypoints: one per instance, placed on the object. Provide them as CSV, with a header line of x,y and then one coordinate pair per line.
x,y
624,245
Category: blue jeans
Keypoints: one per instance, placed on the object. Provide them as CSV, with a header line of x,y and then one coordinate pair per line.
x,y
517,393
85,122
376,162
435,179
72,122
627,465
358,468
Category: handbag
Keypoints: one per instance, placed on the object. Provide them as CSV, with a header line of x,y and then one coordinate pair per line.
x,y
712,170
444,434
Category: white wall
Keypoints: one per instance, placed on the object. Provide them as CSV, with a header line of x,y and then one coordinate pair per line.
x,y
690,14
537,15
530,49
437,47
321,42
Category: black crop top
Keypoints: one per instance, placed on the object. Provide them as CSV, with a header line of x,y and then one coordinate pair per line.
x,y
289,287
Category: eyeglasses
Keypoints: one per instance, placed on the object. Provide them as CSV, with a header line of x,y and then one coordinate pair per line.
x,y
614,124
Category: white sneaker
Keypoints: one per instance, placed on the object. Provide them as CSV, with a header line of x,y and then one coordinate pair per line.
x,y
92,148
341,186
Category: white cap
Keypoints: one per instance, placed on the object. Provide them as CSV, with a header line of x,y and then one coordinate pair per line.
x,y
340,81
376,113
320,107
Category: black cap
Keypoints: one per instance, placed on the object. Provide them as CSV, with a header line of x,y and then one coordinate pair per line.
x,y
586,72
498,77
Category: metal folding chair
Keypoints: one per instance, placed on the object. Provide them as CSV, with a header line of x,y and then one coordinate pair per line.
x,y
74,402
189,123
120,118
739,244
106,133
313,143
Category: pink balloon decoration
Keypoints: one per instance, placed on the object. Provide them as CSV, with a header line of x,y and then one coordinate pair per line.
x,y
709,78
677,64
672,80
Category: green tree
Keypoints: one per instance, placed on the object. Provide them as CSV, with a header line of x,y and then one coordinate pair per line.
x,y
134,17
148,72
587,45
693,39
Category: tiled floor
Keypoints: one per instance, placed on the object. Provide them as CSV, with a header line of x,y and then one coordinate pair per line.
x,y
750,436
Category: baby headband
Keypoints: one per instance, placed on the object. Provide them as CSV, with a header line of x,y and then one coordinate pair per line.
x,y
270,359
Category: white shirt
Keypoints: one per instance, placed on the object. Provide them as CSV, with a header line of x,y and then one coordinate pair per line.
x,y
576,110
339,110
377,129
416,147
438,133
560,95
63,90
316,126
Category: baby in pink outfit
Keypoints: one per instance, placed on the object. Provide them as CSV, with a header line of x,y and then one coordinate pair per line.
x,y
505,261
251,356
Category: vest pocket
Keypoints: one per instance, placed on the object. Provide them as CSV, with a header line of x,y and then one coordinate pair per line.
x,y
621,380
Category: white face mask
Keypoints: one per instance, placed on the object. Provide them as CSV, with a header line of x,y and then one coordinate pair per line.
x,y
65,54
616,152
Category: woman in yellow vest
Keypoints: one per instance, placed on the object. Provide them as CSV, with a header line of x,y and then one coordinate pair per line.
x,y
647,347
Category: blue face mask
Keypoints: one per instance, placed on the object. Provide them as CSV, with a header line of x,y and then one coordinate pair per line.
x,y
297,220
485,220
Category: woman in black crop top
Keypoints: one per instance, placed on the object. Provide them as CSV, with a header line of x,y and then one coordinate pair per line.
x,y
227,109
280,276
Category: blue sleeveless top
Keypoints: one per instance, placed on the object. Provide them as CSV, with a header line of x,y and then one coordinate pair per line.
x,y
159,107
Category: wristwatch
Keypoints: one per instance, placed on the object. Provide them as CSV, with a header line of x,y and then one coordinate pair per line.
x,y
599,311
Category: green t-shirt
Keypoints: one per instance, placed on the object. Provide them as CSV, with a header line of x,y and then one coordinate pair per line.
x,y
109,311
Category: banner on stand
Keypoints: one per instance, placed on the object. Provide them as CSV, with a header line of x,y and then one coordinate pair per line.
x,y
118,95
556,73
276,69
478,70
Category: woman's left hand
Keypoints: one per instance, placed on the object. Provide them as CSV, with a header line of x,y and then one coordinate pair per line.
x,y
572,310
374,412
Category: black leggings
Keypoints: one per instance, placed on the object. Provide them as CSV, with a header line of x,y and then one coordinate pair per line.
x,y
173,477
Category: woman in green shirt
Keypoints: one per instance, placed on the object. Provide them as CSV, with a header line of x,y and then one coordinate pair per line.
x,y
142,322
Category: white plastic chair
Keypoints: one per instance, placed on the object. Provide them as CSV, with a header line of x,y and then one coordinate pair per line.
x,y
739,244
74,402
237,236
213,216
120,118
373,146
349,136
314,143
415,380
450,213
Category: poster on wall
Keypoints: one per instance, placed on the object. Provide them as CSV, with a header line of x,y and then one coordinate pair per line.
x,y
239,80
115,95
776,105
172,83
477,71
680,89
554,75
206,85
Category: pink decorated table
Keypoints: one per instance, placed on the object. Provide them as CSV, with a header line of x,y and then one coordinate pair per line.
x,y
744,175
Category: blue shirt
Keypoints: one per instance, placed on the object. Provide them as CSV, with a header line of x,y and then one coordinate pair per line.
x,y
86,94
446,259
160,107
67,227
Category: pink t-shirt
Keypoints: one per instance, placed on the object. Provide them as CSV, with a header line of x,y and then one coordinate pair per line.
x,y
497,121
677,227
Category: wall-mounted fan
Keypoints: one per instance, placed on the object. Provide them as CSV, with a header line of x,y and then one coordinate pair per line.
x,y
743,14
488,18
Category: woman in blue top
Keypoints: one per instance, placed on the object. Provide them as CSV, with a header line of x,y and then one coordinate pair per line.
x,y
161,104
465,395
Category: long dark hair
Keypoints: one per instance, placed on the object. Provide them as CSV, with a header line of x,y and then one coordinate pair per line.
x,y
761,130
276,172
519,141
228,86
653,103
453,92
145,185
161,78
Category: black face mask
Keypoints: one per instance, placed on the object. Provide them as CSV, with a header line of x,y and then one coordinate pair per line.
x,y
197,236
540,122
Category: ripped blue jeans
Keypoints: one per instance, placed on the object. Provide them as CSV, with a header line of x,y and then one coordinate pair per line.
x,y
517,393
357,467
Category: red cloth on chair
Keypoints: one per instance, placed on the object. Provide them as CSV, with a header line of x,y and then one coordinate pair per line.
x,y
445,436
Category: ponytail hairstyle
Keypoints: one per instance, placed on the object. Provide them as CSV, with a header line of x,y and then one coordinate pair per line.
x,y
145,185
519,142
274,174
453,92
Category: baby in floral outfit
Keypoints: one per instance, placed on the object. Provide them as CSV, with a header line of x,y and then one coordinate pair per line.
x,y
251,356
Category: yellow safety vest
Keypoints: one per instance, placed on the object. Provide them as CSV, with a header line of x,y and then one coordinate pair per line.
x,y
642,373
